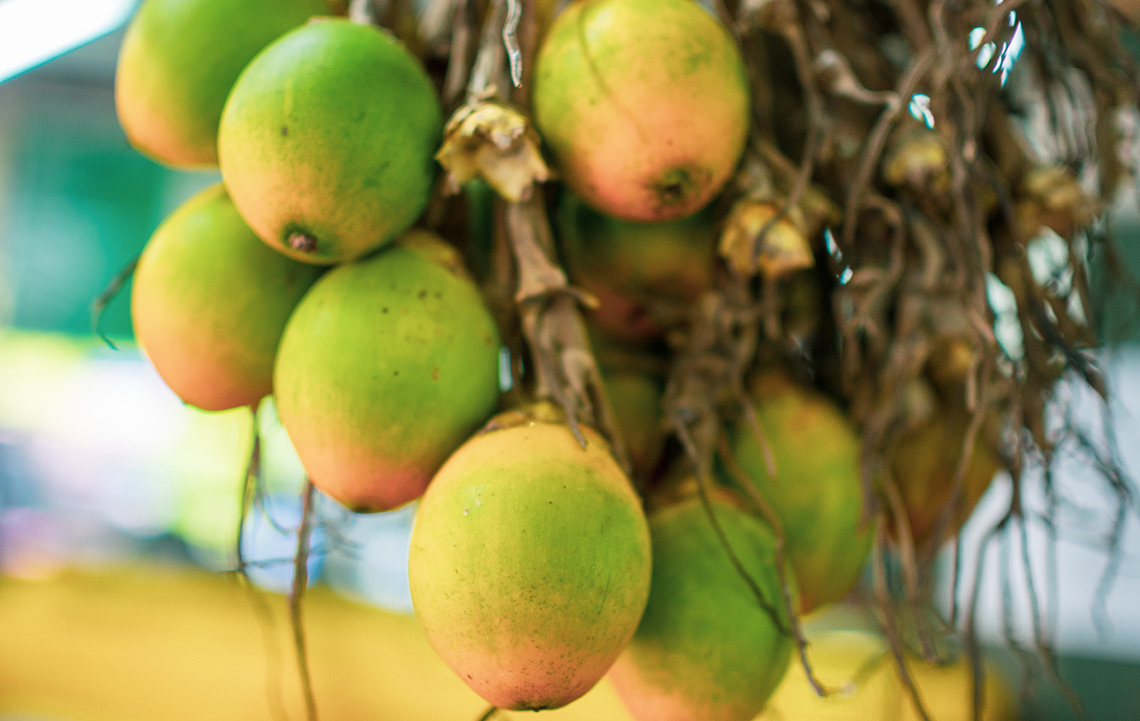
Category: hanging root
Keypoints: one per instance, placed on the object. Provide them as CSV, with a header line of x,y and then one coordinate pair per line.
x,y
888,621
773,521
489,714
101,301
297,594
261,608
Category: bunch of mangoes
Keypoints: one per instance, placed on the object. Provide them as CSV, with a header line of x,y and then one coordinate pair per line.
x,y
538,563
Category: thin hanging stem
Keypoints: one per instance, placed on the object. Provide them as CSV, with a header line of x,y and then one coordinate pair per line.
x,y
99,305
297,593
489,714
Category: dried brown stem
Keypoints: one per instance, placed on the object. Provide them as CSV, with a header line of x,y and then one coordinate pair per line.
x,y
873,149
889,621
565,369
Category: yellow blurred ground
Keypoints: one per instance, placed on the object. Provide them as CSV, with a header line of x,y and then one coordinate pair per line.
x,y
152,644
147,645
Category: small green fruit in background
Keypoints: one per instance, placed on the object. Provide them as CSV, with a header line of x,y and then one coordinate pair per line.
x,y
326,142
178,61
706,650
628,265
817,494
530,562
385,367
924,460
210,301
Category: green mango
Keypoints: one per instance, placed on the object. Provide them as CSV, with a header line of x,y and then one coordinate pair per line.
x,y
706,649
817,494
209,303
529,564
385,368
327,141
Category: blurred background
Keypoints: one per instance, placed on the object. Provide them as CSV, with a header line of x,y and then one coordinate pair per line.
x,y
119,505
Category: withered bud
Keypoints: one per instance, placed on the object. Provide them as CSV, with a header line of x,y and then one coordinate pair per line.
x,y
919,161
753,243
1051,197
493,141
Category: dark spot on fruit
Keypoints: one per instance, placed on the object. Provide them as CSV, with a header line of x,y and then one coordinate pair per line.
x,y
284,130
301,241
435,373
395,373
383,310
671,192
678,185
422,294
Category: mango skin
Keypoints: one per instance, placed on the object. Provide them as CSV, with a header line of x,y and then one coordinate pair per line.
x,y
209,303
530,564
817,494
705,650
386,366
644,105
625,264
178,61
329,136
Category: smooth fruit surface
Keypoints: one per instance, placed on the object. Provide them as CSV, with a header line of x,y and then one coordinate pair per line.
x,y
705,649
326,141
817,493
178,61
386,366
643,103
210,301
627,265
530,564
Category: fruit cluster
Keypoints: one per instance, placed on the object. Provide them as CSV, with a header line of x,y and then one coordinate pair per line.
x,y
569,528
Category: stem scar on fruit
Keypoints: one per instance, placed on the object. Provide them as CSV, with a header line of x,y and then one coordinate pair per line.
x,y
302,241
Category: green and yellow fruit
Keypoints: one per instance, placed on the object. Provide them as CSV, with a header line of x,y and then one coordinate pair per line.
x,y
817,493
210,301
326,141
178,61
706,650
530,562
644,105
385,368
627,266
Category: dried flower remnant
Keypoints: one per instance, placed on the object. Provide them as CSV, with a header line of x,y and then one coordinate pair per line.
x,y
491,140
